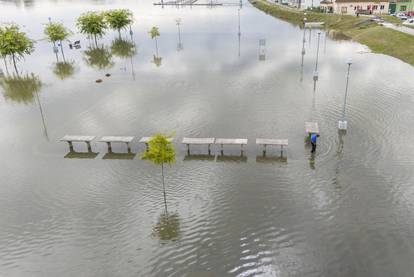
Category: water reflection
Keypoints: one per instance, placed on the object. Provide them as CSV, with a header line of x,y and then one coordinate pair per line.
x,y
180,45
228,158
123,48
80,155
64,70
119,156
168,227
262,49
20,89
271,159
98,57
157,60
199,157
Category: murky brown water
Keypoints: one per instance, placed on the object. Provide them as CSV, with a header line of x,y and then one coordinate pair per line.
x,y
347,211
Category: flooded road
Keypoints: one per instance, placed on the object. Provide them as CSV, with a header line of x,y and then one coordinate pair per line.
x,y
345,211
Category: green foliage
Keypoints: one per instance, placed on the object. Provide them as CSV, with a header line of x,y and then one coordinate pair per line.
x,y
20,89
56,32
98,57
123,48
154,32
92,23
119,19
14,43
161,150
64,70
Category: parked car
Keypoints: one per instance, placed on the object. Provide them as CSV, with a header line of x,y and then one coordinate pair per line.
x,y
409,22
402,16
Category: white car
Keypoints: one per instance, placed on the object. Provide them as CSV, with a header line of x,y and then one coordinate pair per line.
x,y
409,22
402,16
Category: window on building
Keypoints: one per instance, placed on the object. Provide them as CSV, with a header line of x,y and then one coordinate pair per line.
x,y
382,7
375,7
343,9
403,8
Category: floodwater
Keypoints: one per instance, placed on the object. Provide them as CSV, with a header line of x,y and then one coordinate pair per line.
x,y
345,211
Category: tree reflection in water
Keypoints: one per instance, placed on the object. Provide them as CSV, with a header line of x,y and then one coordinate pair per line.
x,y
157,60
99,57
20,89
64,70
167,227
123,48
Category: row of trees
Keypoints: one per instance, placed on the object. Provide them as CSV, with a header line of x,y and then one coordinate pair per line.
x,y
15,44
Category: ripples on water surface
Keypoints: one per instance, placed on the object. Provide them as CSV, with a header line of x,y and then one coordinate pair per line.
x,y
348,211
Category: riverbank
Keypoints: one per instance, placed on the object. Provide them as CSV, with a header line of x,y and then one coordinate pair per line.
x,y
379,39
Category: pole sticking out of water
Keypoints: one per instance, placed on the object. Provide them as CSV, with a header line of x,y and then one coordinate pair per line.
x,y
343,124
315,73
239,33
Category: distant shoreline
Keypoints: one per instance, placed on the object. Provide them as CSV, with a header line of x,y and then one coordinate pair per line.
x,y
378,38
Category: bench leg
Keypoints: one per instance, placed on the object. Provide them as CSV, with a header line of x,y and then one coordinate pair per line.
x,y
281,151
188,149
264,150
70,146
109,147
146,146
88,143
222,151
209,149
129,147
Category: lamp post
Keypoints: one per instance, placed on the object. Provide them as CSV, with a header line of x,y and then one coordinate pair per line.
x,y
315,73
343,124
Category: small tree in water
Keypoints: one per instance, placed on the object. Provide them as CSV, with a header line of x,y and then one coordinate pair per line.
x,y
161,151
93,24
154,33
56,32
119,19
14,44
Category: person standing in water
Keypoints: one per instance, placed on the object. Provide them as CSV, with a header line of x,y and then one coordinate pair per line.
x,y
313,138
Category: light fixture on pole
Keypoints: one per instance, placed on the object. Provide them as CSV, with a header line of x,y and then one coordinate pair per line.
x,y
343,124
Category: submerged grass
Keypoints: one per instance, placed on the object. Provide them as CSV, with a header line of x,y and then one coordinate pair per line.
x,y
379,39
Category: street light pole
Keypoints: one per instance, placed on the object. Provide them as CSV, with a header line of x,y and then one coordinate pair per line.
x,y
315,73
343,124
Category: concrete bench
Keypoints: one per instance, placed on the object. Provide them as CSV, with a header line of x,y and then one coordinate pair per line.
x,y
198,141
231,141
70,139
111,139
147,139
277,142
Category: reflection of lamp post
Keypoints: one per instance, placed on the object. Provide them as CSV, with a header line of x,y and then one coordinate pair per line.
x,y
343,124
315,73
239,33
180,45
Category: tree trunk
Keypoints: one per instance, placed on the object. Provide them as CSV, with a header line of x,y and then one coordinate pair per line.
x,y
96,42
163,188
119,33
14,63
156,46
61,50
5,64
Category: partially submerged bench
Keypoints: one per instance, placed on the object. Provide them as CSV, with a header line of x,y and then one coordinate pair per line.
x,y
118,139
311,128
70,139
147,139
231,141
198,141
276,142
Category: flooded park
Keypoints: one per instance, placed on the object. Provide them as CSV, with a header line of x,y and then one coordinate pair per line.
x,y
224,71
